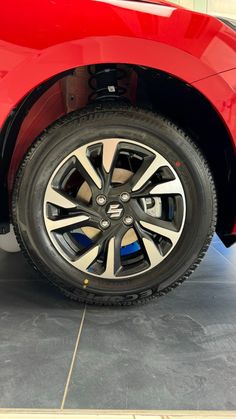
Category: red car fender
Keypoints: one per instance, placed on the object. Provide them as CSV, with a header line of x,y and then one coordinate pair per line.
x,y
220,90
36,46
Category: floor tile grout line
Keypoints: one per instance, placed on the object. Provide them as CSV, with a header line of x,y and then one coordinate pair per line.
x,y
73,360
217,251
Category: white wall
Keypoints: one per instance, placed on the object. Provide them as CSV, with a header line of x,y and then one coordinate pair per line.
x,y
218,7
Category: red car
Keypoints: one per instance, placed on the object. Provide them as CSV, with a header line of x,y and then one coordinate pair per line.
x,y
118,142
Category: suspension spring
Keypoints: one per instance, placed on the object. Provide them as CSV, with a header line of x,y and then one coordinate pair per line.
x,y
104,84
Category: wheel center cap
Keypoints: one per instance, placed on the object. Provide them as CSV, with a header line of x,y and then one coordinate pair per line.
x,y
115,210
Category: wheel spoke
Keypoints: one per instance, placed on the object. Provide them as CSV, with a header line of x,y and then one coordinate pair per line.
x,y
173,236
109,149
88,210
164,228
110,260
109,244
152,251
113,259
64,223
86,167
147,170
172,187
56,197
84,261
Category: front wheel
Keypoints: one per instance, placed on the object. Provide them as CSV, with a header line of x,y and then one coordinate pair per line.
x,y
114,205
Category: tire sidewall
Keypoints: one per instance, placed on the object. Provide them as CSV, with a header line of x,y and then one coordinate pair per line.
x,y
150,130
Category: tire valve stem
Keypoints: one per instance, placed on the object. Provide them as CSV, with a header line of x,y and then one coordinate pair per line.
x,y
86,282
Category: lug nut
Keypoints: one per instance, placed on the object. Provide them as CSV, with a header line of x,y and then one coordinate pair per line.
x,y
128,220
101,199
105,224
125,197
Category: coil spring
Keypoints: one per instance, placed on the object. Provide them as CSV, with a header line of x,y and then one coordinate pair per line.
x,y
104,82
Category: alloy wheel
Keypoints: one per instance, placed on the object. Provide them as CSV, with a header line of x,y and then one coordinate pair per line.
x,y
114,208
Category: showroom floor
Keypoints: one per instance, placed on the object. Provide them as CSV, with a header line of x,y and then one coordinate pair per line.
x,y
178,352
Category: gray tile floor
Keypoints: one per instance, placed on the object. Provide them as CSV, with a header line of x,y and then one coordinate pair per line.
x,y
178,352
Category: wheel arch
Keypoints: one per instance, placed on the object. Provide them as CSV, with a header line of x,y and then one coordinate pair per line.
x,y
176,86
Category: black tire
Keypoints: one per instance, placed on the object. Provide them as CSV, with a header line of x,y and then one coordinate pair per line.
x,y
103,122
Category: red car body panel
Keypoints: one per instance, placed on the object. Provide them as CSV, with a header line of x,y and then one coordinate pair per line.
x,y
65,34
56,35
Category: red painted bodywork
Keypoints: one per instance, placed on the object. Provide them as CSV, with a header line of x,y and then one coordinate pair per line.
x,y
39,40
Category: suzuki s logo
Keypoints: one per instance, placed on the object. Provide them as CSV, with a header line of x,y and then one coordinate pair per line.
x,y
115,210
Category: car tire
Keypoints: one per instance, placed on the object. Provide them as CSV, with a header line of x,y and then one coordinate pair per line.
x,y
114,205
